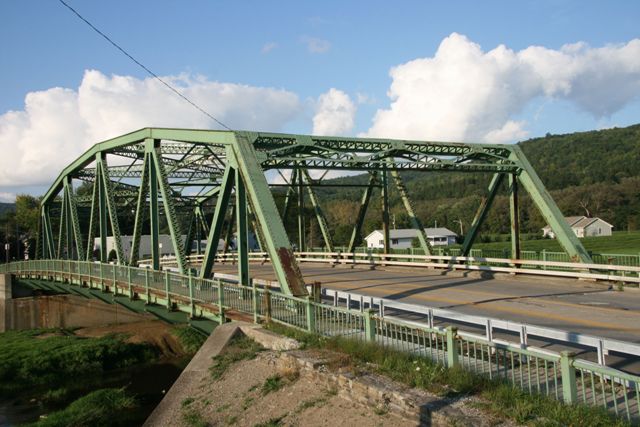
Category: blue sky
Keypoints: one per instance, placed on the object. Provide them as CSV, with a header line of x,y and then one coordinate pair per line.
x,y
307,48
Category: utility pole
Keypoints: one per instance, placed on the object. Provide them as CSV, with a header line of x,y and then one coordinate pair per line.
x,y
459,221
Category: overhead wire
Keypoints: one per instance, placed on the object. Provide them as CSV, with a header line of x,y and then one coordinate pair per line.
x,y
145,68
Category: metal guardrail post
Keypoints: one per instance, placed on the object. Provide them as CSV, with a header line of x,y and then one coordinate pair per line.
x,y
191,303
221,301
166,289
369,325
129,284
311,315
113,280
568,372
452,347
101,278
146,285
254,294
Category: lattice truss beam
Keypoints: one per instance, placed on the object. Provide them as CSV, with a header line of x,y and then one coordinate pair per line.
x,y
205,186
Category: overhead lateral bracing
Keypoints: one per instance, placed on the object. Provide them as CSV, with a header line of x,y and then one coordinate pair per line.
x,y
206,184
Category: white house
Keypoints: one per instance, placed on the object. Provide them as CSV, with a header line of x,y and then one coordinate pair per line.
x,y
403,238
583,227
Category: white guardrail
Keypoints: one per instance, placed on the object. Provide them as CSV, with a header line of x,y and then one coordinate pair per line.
x,y
601,345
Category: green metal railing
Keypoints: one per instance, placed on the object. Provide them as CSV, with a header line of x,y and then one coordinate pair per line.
x,y
561,376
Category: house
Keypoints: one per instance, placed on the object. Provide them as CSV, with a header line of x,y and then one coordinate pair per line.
x,y
403,238
583,227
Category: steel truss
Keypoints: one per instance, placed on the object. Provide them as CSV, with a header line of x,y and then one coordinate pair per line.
x,y
190,183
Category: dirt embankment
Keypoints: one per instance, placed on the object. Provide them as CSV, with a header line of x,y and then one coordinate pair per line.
x,y
154,332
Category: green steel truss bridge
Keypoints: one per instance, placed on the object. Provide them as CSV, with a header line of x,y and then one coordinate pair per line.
x,y
206,184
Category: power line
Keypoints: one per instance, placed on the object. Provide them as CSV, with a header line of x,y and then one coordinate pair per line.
x,y
141,65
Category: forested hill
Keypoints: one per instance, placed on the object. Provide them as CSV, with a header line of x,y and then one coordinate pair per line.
x,y
595,173
586,157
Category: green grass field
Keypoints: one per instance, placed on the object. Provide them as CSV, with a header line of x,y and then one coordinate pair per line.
x,y
622,242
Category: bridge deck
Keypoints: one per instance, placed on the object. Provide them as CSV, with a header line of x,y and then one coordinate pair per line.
x,y
572,305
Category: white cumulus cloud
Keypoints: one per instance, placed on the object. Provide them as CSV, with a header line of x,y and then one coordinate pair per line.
x,y
463,93
316,45
58,124
335,113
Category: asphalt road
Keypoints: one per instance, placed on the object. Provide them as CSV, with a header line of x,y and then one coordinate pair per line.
x,y
576,306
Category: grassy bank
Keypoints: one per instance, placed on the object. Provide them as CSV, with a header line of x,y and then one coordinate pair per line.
x,y
41,357
621,242
105,407
499,398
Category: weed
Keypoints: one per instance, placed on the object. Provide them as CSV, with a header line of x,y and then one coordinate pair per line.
x,y
273,422
188,401
240,348
381,409
231,420
191,339
247,402
223,408
271,384
317,402
192,418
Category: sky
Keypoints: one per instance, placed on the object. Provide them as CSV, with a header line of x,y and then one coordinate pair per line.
x,y
470,71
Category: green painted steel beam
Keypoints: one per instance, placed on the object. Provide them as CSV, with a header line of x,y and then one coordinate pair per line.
x,y
154,209
242,230
481,213
75,222
322,221
302,244
93,220
261,200
216,223
514,215
416,224
362,212
175,229
384,196
111,207
140,213
549,210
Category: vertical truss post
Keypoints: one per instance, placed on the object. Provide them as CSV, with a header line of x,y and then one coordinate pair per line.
x,y
111,205
154,209
364,204
199,219
415,221
68,228
514,212
47,233
481,213
74,220
188,241
261,201
301,232
61,234
242,231
93,219
102,212
385,211
216,223
322,221
140,212
548,208
170,212
229,232
289,196
256,230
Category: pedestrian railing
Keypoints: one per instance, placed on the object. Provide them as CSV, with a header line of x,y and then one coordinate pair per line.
x,y
627,274
559,375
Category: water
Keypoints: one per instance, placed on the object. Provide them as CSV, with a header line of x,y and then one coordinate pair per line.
x,y
148,383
